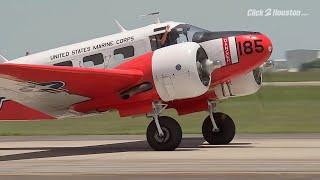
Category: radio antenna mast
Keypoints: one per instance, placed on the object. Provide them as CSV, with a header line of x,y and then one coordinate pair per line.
x,y
155,15
119,26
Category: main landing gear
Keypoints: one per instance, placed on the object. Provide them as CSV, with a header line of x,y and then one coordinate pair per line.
x,y
218,128
165,134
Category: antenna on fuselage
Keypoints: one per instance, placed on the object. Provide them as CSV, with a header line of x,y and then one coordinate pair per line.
x,y
154,14
120,27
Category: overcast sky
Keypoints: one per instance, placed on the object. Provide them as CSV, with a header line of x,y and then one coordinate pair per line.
x,y
36,25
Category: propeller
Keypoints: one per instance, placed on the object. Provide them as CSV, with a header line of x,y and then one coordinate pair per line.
x,y
264,70
206,66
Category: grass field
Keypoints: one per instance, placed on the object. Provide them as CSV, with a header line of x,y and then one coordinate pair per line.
x,y
312,75
271,110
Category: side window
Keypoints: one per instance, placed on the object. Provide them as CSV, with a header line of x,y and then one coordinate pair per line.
x,y
123,53
65,63
155,42
93,60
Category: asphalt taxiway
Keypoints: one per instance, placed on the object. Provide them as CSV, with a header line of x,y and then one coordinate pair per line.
x,y
96,157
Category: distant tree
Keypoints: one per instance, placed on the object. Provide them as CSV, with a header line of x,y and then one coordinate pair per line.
x,y
311,65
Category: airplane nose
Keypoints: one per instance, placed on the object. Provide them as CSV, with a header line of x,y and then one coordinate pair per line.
x,y
238,54
255,48
267,44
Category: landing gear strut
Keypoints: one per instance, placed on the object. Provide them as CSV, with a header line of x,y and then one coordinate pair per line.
x,y
163,133
218,128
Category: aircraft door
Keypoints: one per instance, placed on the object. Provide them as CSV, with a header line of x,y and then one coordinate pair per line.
x,y
107,59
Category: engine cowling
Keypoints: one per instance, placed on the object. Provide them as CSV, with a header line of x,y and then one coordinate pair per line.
x,y
181,71
242,85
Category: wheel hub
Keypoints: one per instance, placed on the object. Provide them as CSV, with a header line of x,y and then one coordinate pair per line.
x,y
164,138
216,130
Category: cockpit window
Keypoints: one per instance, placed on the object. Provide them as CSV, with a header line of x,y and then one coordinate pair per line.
x,y
179,34
198,35
185,32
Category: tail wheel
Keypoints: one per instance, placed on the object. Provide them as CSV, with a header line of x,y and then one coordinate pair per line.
x,y
172,134
227,129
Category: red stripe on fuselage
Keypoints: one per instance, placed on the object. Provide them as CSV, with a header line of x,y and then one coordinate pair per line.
x,y
226,50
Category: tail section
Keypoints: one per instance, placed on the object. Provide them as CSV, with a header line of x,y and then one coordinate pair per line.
x,y
11,110
2,59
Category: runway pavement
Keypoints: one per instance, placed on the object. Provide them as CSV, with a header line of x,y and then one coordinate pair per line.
x,y
97,157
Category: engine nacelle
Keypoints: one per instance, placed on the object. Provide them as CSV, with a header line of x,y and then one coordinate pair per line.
x,y
179,71
243,85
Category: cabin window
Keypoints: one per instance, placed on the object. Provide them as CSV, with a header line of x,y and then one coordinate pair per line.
x,y
65,63
123,53
93,60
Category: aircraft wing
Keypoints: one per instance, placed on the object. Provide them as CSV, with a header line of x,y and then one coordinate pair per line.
x,y
45,92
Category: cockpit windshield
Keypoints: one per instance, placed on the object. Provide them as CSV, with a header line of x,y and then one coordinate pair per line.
x,y
189,33
179,34
185,33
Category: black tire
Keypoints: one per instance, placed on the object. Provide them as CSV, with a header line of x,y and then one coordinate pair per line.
x,y
172,134
227,129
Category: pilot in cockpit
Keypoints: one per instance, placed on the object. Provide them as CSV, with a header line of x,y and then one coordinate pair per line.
x,y
169,37
164,41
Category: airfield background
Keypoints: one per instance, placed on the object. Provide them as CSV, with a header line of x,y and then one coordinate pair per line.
x,y
33,26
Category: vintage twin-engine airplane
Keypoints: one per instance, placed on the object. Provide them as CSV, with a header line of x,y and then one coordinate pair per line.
x,y
142,71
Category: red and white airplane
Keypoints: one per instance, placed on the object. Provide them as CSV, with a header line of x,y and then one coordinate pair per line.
x,y
139,72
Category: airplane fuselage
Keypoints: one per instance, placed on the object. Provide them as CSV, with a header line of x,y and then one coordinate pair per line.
x,y
109,47
239,53
142,71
